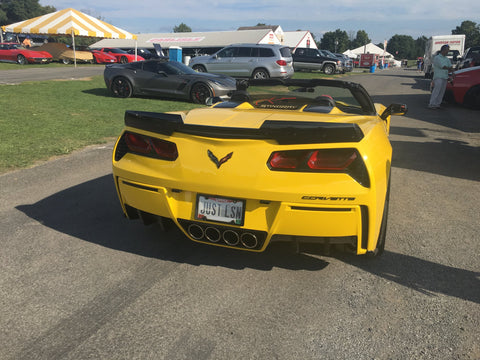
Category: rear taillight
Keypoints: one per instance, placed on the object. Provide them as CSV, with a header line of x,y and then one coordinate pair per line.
x,y
149,146
287,159
346,161
138,143
338,159
282,62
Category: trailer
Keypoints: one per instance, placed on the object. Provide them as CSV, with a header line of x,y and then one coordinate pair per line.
x,y
433,46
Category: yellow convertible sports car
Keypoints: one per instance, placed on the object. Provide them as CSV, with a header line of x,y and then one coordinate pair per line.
x,y
281,160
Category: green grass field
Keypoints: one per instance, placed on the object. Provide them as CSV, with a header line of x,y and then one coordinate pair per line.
x,y
48,118
43,119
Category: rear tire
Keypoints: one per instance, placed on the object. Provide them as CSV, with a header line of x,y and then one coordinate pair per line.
x,y
260,74
382,235
21,59
472,98
121,87
66,61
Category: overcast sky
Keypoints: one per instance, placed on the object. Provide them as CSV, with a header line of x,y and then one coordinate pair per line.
x,y
380,19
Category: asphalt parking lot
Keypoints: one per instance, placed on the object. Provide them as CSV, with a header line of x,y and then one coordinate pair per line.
x,y
78,281
67,72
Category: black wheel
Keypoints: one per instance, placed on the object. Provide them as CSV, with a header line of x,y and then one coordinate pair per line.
x,y
328,69
383,227
121,87
200,93
260,74
123,60
199,68
472,98
66,61
21,59
94,60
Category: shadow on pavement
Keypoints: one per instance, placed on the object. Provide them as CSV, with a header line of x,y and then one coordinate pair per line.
x,y
90,211
444,157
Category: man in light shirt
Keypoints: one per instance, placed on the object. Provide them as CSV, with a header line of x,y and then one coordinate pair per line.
x,y
441,67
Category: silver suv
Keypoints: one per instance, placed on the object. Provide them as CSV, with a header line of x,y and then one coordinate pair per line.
x,y
258,61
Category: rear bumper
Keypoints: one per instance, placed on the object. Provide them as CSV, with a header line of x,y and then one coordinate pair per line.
x,y
266,221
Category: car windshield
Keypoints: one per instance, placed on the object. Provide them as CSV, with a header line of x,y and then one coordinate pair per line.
x,y
305,95
168,67
177,68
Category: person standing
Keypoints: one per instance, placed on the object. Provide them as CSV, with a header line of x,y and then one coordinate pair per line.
x,y
26,42
441,67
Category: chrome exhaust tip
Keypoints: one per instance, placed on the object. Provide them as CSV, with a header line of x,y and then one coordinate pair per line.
x,y
196,231
212,234
249,240
231,237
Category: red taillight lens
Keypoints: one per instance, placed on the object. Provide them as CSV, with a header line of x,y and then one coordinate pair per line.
x,y
165,149
287,159
138,143
346,161
335,159
149,146
282,62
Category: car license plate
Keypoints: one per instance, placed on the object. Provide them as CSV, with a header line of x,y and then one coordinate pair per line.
x,y
219,209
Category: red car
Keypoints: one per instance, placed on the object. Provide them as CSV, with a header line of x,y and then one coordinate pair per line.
x,y
16,53
121,55
100,57
463,87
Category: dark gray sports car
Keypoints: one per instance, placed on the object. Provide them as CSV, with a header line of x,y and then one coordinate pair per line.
x,y
165,78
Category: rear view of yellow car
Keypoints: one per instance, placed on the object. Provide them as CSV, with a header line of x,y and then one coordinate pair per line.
x,y
281,160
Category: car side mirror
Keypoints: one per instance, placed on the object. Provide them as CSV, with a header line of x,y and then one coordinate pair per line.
x,y
394,109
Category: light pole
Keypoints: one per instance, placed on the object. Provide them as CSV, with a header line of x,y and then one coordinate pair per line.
x,y
336,44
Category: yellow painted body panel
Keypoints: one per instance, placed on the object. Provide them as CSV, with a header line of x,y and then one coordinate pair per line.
x,y
275,200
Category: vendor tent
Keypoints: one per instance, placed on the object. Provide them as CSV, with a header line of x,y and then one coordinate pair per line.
x,y
350,54
69,22
371,49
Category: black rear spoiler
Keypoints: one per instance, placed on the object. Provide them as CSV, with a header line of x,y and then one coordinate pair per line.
x,y
283,132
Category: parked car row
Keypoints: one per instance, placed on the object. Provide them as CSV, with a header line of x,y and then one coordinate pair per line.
x,y
48,52
15,53
214,75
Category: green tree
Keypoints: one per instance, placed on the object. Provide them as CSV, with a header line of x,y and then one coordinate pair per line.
x,y
360,39
420,46
12,11
336,41
471,31
182,28
402,46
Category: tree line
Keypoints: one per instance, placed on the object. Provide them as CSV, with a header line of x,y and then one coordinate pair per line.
x,y
400,46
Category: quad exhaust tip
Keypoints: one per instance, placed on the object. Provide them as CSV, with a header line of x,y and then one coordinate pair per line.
x,y
228,236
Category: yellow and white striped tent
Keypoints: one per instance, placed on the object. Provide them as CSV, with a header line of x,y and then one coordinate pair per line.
x,y
69,22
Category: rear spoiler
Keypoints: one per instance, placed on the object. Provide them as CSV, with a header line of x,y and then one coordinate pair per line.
x,y
283,132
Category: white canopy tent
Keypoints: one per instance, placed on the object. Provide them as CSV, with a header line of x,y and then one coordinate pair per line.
x,y
371,49
69,22
350,54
